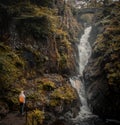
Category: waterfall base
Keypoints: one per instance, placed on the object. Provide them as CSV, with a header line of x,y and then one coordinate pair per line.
x,y
94,120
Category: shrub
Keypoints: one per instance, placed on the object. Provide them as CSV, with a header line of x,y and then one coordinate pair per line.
x,y
35,117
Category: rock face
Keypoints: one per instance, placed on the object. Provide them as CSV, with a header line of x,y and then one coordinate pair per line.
x,y
3,110
37,55
102,74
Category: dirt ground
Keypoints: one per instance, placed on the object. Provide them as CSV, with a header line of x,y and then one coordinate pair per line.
x,y
14,118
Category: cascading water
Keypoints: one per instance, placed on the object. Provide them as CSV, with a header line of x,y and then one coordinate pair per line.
x,y
85,116
84,50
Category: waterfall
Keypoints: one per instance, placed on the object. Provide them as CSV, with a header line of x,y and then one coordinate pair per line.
x,y
84,49
77,82
85,116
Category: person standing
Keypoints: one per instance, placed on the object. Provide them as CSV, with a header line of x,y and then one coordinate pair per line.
x,y
22,102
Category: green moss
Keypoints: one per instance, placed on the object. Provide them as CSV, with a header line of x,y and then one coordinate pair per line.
x,y
46,84
99,45
54,102
42,90
35,117
11,69
63,61
10,66
113,73
65,93
34,21
36,97
48,93
61,33
107,46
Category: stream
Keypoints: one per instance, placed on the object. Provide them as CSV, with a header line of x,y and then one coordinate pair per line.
x,y
77,82
84,52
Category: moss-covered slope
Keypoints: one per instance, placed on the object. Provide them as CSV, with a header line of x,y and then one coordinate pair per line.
x,y
36,55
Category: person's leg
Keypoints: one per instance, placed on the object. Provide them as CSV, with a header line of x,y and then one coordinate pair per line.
x,y
23,105
21,108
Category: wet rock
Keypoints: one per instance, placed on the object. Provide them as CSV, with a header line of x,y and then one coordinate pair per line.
x,y
101,74
3,109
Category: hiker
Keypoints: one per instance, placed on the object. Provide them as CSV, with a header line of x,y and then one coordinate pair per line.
x,y
22,102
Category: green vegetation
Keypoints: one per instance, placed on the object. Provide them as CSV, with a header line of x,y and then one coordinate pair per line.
x,y
33,20
37,23
35,117
62,94
11,69
35,41
46,84
48,93
107,45
10,66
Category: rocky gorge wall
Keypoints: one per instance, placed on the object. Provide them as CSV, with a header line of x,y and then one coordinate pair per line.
x,y
102,74
36,55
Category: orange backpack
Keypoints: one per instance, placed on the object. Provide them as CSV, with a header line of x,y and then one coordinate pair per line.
x,y
21,99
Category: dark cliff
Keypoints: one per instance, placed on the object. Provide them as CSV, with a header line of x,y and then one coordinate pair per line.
x,y
37,55
102,74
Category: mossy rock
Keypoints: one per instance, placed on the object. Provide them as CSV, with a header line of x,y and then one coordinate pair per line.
x,y
35,117
11,65
33,20
11,69
46,84
65,94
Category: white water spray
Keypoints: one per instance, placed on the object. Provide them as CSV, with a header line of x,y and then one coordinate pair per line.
x,y
84,50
